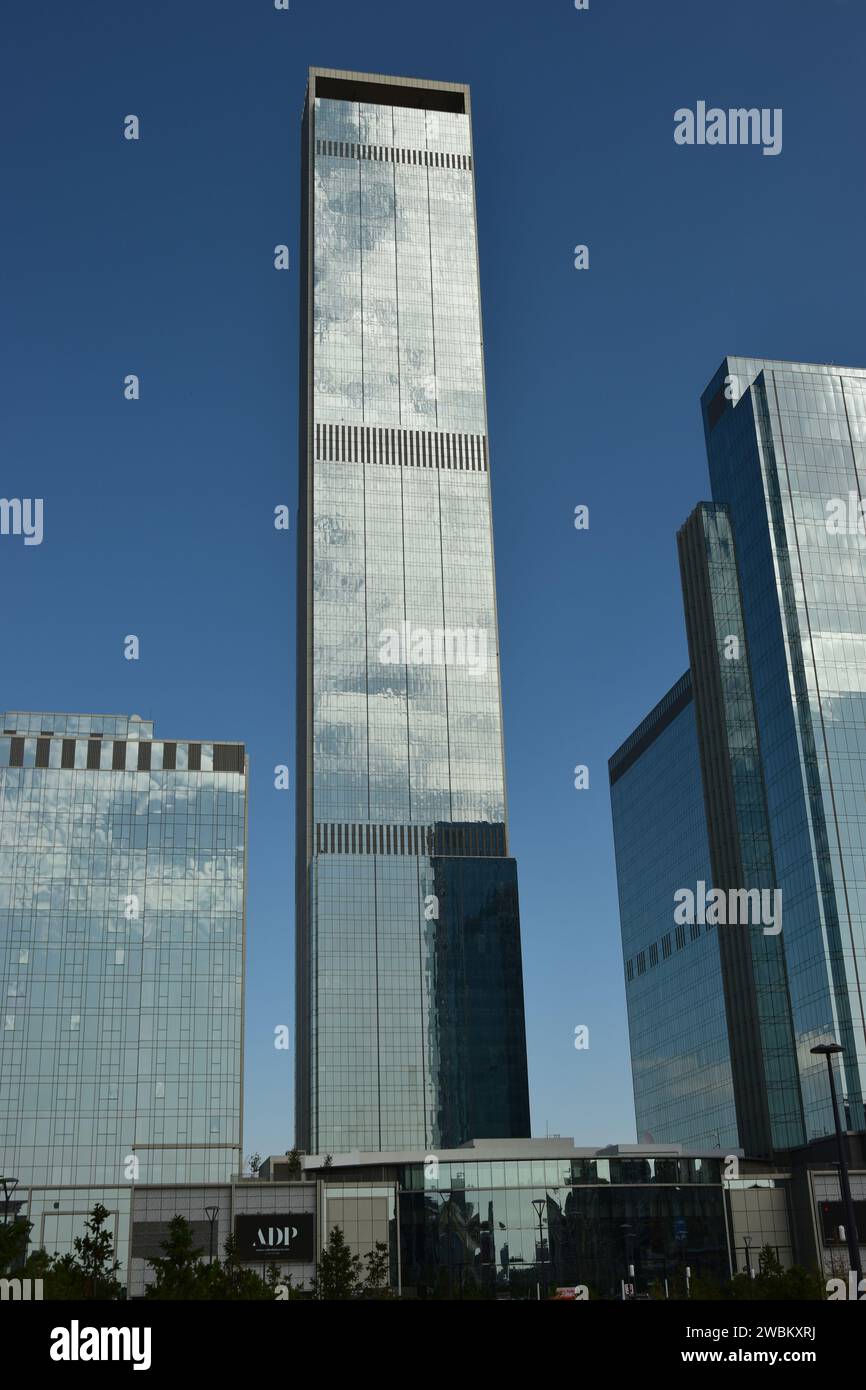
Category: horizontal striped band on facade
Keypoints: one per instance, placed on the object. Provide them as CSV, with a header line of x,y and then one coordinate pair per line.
x,y
433,159
95,754
637,965
472,840
466,453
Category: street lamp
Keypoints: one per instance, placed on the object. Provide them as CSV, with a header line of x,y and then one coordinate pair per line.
x,y
9,1185
829,1050
211,1213
540,1204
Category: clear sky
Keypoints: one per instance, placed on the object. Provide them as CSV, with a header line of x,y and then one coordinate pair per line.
x,y
155,257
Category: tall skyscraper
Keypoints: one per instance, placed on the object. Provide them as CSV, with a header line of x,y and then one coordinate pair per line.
x,y
410,1027
122,884
680,1054
774,584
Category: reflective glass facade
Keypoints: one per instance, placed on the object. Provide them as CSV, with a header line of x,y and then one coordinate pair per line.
x,y
786,442
680,1053
776,565
757,1001
476,1225
400,759
122,873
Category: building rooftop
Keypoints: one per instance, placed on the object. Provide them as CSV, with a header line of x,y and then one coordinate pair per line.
x,y
62,722
559,1146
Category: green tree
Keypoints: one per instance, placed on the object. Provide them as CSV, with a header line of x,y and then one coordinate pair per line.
x,y
182,1274
255,1163
14,1236
95,1253
38,1266
295,1167
772,1282
705,1289
338,1272
281,1284
180,1271
378,1262
230,1280
89,1272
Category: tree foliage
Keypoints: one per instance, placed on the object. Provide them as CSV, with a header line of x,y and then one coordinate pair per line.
x,y
88,1272
795,1285
295,1166
182,1274
338,1272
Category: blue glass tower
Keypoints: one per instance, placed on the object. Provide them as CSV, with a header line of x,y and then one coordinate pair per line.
x,y
680,1053
410,1027
786,443
774,587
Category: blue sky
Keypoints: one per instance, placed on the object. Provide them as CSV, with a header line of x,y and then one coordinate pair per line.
x,y
155,257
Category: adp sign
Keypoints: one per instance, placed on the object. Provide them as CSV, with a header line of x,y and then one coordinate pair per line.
x,y
276,1236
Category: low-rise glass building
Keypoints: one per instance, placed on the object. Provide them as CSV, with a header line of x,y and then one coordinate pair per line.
x,y
499,1219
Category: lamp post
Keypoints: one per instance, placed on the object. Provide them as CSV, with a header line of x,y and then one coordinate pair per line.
x,y
540,1203
747,1242
9,1185
829,1051
211,1213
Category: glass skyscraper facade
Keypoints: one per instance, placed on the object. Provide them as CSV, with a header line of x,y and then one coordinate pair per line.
x,y
681,1062
784,441
410,1027
122,890
757,1002
774,584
